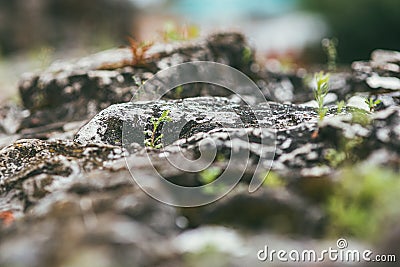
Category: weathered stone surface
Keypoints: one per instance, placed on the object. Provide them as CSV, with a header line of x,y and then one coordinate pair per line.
x,y
84,219
297,88
83,199
70,203
375,132
290,127
28,157
189,116
79,89
11,116
261,210
379,75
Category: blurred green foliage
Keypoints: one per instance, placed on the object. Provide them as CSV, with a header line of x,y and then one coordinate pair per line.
x,y
209,175
273,180
364,203
247,55
208,255
344,153
360,25
173,32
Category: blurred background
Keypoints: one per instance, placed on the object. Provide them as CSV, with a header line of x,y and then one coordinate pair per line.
x,y
33,33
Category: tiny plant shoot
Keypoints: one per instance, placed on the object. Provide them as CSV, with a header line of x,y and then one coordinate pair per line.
x,y
372,103
153,140
329,46
247,54
139,50
320,92
340,105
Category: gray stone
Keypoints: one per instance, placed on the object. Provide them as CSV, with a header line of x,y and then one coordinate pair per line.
x,y
79,89
189,116
95,218
379,75
29,157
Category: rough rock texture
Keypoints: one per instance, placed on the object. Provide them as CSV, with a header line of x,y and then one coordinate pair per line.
x,y
72,202
76,90
382,73
190,115
27,157
379,77
300,148
295,87
100,214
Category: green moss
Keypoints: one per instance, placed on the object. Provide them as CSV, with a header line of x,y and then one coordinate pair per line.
x,y
347,148
340,105
361,117
335,157
345,153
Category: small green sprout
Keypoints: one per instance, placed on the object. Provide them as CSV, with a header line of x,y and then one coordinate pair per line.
x,y
138,81
153,140
329,46
340,105
320,93
372,103
247,54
